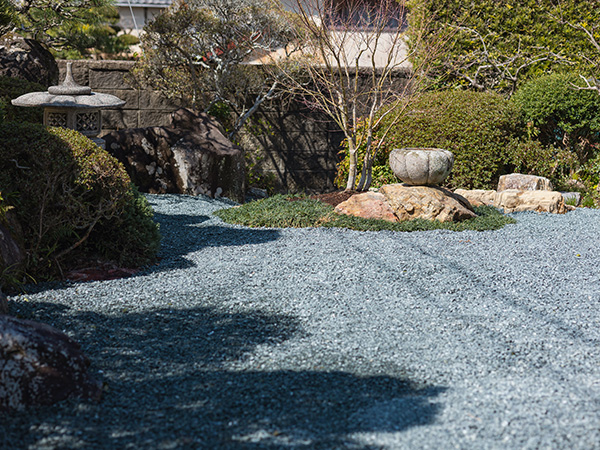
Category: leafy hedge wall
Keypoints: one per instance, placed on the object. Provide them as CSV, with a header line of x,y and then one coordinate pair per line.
x,y
524,39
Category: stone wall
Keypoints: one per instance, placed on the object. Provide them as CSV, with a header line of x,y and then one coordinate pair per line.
x,y
293,148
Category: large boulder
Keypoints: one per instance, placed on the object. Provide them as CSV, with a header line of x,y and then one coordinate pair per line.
x,y
368,205
426,202
28,60
400,202
514,200
190,157
39,365
524,183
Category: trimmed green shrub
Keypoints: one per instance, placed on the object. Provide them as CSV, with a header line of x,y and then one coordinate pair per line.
x,y
11,88
561,115
132,238
72,200
532,157
567,119
479,128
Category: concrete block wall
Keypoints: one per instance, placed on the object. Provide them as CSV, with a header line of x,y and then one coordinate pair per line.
x,y
143,108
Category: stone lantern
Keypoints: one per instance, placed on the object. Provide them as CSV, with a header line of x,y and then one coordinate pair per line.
x,y
70,105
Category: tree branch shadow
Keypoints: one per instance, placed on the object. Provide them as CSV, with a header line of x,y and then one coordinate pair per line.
x,y
170,370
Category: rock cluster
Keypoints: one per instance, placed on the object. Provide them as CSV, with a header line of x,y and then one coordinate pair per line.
x,y
39,365
190,157
515,200
517,192
400,202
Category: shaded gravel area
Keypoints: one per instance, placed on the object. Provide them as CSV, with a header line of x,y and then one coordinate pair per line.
x,y
325,338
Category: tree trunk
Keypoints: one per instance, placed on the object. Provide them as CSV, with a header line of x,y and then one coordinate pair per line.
x,y
352,166
366,175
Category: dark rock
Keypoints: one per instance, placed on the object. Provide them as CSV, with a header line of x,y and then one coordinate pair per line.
x,y
28,60
39,365
190,157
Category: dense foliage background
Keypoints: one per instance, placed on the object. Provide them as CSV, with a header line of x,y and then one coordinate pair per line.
x,y
498,44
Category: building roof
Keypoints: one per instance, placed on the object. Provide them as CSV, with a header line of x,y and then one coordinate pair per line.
x,y
144,3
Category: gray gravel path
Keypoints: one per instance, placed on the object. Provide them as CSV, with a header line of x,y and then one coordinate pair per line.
x,y
325,338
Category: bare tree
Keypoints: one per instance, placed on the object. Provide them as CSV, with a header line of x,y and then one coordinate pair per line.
x,y
349,52
199,51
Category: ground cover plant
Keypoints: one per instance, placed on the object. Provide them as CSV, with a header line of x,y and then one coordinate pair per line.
x,y
289,211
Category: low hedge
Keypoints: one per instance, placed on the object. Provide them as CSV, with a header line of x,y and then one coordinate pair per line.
x,y
72,201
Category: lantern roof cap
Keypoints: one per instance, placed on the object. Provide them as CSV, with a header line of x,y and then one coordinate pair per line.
x,y
69,94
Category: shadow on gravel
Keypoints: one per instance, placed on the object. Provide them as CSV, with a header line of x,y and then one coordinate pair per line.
x,y
183,234
170,384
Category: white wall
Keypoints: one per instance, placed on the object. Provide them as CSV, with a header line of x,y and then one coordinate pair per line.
x,y
142,16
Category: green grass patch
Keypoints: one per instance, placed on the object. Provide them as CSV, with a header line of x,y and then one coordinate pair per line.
x,y
286,211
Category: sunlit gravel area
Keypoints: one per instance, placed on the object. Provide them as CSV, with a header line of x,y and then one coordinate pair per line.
x,y
246,338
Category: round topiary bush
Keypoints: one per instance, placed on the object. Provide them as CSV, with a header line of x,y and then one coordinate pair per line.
x,y
483,130
72,200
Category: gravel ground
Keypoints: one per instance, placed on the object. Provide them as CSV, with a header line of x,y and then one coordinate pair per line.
x,y
325,338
